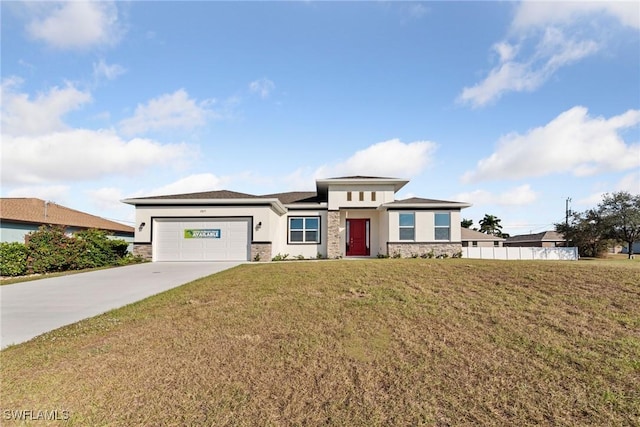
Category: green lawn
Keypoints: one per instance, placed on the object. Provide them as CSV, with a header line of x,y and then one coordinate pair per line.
x,y
351,343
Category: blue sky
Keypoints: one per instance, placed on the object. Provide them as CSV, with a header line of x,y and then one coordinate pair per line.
x,y
511,106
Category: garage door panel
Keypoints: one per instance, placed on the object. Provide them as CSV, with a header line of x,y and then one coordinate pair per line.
x,y
171,243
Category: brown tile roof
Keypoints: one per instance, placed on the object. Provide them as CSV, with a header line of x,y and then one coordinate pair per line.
x,y
37,211
468,234
545,236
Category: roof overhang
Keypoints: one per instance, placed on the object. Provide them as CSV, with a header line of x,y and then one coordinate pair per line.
x,y
323,184
435,205
275,204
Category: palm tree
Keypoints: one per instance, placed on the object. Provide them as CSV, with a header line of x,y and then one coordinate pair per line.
x,y
490,224
466,223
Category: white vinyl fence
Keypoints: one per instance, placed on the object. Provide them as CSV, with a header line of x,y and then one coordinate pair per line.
x,y
564,254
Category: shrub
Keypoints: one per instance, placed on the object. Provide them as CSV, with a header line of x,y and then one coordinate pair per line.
x,y
50,249
13,259
280,257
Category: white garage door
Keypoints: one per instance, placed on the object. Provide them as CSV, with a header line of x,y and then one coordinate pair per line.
x,y
202,239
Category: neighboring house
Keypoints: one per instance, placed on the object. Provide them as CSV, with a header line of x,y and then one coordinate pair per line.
x,y
545,239
476,239
635,247
20,216
353,216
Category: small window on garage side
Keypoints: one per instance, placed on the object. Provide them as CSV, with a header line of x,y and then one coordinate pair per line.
x,y
407,229
304,229
348,196
361,196
373,196
474,244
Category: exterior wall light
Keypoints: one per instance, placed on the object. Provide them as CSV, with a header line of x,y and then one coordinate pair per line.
x,y
142,224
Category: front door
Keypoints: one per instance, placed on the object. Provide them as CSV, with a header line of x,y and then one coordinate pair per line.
x,y
357,237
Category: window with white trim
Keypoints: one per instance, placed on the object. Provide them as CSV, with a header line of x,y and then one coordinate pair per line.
x,y
442,226
304,229
407,222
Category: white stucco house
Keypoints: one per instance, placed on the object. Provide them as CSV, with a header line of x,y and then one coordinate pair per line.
x,y
354,216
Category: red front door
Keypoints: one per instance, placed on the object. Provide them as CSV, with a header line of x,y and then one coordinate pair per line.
x,y
357,237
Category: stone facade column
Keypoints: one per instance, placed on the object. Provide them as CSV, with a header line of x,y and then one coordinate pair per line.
x,y
261,251
143,250
333,235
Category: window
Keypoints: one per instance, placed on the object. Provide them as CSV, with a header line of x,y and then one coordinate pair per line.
x,y
407,226
443,226
474,243
373,196
362,196
496,244
348,196
304,229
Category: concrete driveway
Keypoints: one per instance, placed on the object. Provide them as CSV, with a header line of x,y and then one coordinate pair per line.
x,y
29,309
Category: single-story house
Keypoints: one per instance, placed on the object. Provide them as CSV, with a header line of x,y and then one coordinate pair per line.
x,y
354,216
476,239
20,216
545,239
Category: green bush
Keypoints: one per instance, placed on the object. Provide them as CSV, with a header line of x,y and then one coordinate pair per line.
x,y
50,249
13,259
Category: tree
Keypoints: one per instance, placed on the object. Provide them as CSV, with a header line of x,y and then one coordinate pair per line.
x,y
466,223
490,224
620,213
586,231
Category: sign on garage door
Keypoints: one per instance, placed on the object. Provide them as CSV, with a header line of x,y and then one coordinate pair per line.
x,y
201,239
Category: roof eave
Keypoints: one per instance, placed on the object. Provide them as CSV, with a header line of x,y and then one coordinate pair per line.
x,y
275,203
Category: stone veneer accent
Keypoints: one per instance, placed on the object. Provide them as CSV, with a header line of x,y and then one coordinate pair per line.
x,y
144,250
262,250
333,234
408,250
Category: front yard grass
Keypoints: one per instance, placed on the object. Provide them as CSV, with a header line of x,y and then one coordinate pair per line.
x,y
358,343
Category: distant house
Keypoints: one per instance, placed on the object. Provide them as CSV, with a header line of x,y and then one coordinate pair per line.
x,y
20,216
545,239
476,239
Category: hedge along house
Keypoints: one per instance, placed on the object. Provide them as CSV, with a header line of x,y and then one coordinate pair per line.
x,y
353,216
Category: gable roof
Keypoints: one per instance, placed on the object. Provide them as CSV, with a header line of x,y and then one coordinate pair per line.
x,y
37,211
545,236
473,235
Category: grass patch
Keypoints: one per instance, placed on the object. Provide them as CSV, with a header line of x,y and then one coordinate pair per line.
x,y
380,342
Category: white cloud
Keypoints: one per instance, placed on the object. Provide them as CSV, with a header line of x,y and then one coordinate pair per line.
x,y
518,196
535,13
547,36
75,24
262,87
553,52
630,182
191,184
81,155
175,110
573,142
103,70
23,116
392,158
106,198
55,193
